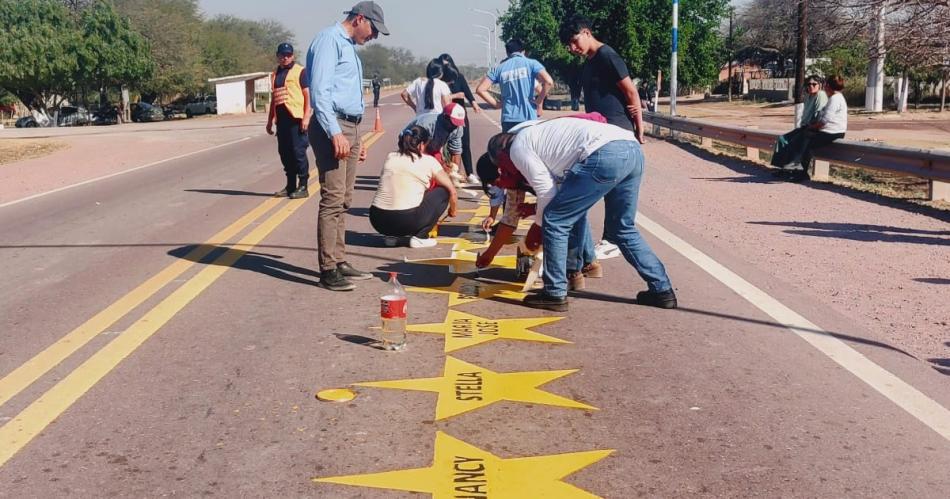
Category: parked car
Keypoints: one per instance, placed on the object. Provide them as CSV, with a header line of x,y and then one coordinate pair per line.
x,y
143,111
26,122
106,116
73,116
204,105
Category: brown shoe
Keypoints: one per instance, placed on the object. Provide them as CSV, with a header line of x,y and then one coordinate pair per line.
x,y
594,270
576,281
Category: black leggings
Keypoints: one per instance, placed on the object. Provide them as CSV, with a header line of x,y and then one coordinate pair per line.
x,y
416,221
816,140
467,147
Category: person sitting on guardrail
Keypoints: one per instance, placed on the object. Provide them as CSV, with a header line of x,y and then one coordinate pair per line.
x,y
789,147
830,126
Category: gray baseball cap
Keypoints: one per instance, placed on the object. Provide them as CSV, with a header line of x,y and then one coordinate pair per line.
x,y
371,11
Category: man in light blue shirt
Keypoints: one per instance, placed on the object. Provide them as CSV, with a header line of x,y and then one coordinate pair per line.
x,y
516,76
336,93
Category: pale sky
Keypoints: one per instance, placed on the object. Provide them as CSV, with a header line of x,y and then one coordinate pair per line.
x,y
426,27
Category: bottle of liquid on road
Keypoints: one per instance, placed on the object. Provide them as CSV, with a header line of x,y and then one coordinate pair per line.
x,y
392,311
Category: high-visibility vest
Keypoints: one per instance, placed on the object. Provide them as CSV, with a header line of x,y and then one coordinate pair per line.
x,y
291,94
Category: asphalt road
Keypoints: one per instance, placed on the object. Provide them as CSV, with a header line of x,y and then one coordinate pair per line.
x,y
163,336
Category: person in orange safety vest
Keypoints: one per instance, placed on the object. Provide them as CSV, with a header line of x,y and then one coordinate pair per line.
x,y
290,110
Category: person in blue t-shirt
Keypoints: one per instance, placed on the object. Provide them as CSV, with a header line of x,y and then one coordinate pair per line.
x,y
516,76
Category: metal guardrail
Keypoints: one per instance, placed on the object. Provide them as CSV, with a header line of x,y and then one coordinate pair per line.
x,y
925,163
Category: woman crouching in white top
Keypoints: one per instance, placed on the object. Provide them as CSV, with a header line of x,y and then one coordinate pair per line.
x,y
407,204
831,125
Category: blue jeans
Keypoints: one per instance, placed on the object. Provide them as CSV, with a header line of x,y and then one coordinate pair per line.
x,y
580,247
613,173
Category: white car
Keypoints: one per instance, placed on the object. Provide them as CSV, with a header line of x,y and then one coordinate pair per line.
x,y
203,105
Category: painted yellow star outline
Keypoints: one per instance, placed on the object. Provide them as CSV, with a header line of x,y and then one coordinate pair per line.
x,y
463,330
465,387
463,291
461,470
462,262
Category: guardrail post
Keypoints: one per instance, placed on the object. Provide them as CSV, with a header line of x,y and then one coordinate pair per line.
x,y
752,153
822,172
939,191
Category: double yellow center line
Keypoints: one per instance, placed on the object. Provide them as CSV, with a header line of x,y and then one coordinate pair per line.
x,y
19,431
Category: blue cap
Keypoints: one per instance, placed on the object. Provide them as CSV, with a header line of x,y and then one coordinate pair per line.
x,y
285,48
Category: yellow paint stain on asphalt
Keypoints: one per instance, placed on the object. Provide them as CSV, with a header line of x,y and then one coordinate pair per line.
x,y
463,291
460,469
460,244
465,387
37,416
463,330
463,262
31,370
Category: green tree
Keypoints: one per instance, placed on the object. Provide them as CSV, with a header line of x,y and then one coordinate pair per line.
x,y
111,53
171,28
230,45
639,30
38,51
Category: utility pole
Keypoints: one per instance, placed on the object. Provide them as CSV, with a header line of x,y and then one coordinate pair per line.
x,y
732,14
494,37
874,89
800,55
673,61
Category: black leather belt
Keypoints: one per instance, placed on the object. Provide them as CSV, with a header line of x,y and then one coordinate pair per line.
x,y
350,118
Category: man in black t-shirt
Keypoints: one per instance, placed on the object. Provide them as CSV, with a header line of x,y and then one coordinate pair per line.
x,y
605,79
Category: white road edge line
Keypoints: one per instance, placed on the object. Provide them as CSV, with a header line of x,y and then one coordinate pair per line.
x,y
905,396
919,405
123,172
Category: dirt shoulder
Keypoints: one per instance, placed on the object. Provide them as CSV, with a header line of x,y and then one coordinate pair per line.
x,y
13,150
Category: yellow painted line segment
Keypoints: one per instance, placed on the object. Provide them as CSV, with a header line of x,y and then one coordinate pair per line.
x,y
27,373
37,416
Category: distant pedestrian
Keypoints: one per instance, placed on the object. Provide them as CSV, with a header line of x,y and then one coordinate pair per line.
x,y
377,85
336,77
428,94
290,109
516,76
458,84
406,204
605,78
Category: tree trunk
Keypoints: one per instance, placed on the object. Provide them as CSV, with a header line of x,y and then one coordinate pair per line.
x,y
905,89
943,93
874,89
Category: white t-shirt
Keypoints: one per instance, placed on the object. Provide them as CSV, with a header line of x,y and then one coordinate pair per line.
x,y
417,90
404,181
544,152
835,115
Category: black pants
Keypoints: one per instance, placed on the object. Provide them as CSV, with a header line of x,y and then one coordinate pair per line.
x,y
815,140
375,97
292,147
467,147
416,221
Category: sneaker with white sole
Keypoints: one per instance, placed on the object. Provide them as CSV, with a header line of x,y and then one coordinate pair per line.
x,y
417,243
473,179
606,249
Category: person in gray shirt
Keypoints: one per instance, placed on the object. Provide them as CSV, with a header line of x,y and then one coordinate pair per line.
x,y
445,128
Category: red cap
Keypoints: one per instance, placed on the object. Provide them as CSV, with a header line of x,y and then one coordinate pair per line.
x,y
455,113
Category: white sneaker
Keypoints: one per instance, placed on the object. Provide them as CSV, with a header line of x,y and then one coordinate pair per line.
x,y
417,243
606,249
390,241
473,179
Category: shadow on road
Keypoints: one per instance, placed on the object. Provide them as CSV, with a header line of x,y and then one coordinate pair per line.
x,y
844,337
932,280
262,263
226,192
863,232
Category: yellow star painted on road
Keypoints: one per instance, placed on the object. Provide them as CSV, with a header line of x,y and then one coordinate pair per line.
x,y
463,291
463,262
480,211
461,244
461,470
465,387
463,330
